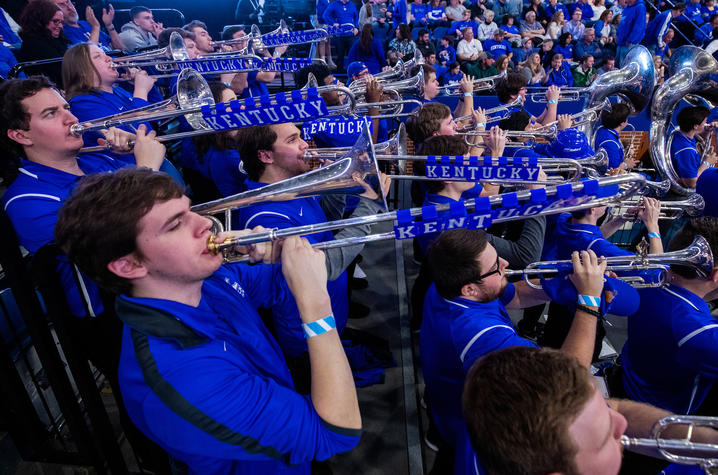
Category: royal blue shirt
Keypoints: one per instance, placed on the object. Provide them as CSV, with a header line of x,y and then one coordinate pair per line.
x,y
32,202
419,11
632,27
586,11
7,60
551,9
254,88
694,12
374,60
671,356
569,237
447,55
685,156
220,166
102,104
562,77
286,214
340,13
435,13
565,50
454,334
210,385
81,34
449,78
608,139
398,15
497,48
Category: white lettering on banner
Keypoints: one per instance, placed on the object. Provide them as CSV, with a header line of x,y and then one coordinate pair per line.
x,y
278,113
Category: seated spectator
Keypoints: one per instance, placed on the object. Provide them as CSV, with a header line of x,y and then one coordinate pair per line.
x,y
602,29
513,35
455,10
704,34
487,27
565,47
546,51
535,6
498,46
608,64
469,47
78,31
575,26
533,70
42,36
9,31
554,28
558,73
663,52
431,61
530,27
417,15
402,43
709,9
502,64
483,67
424,44
457,27
553,7
436,14
507,7
584,73
657,28
694,12
365,14
598,7
521,54
660,68
447,53
588,45
368,50
584,6
141,31
453,75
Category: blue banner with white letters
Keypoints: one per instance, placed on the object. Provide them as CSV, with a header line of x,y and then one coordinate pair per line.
x,y
432,220
212,66
285,64
481,168
293,37
263,110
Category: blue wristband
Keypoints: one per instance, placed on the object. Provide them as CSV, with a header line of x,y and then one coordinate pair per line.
x,y
319,326
654,235
468,94
552,101
589,300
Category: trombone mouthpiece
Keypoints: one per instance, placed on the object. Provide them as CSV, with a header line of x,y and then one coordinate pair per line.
x,y
215,247
76,130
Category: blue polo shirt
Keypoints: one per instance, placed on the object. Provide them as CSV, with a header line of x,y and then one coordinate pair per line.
x,y
210,385
220,166
286,214
454,334
81,34
102,104
608,139
32,202
671,356
684,156
255,88
569,237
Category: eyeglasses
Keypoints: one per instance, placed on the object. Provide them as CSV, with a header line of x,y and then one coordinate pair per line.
x,y
56,22
495,271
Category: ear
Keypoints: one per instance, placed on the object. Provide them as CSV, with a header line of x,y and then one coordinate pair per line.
x,y
20,136
470,290
714,275
265,156
127,267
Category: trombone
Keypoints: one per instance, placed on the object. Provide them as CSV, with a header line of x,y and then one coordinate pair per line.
x,y
480,84
633,182
494,114
518,136
586,116
670,210
682,451
697,256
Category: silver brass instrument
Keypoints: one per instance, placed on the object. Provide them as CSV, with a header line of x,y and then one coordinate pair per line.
x,y
633,183
691,68
494,114
344,176
697,256
681,451
670,210
549,133
480,84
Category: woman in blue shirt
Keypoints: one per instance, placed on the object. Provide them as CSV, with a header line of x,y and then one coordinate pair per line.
x,y
367,50
90,78
564,46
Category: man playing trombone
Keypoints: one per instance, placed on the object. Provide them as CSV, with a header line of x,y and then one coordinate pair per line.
x,y
200,374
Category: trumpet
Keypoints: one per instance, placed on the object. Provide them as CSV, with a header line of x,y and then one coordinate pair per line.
x,y
569,95
670,210
549,133
483,212
480,84
413,85
587,116
682,451
697,256
494,114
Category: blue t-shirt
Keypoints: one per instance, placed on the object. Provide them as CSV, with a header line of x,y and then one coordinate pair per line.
x,y
81,34
447,55
254,88
566,51
684,156
223,168
286,214
608,139
454,334
497,48
33,201
419,11
210,385
670,359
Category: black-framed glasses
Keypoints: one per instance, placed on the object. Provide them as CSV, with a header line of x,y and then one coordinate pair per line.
x,y
492,272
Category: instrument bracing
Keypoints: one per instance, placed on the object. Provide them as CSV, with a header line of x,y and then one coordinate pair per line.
x,y
697,256
474,213
681,451
691,68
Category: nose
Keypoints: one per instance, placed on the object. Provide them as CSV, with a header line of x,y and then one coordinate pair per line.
x,y
203,224
303,145
503,264
619,424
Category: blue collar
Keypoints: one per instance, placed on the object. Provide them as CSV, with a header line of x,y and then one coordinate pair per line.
x,y
687,296
87,163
